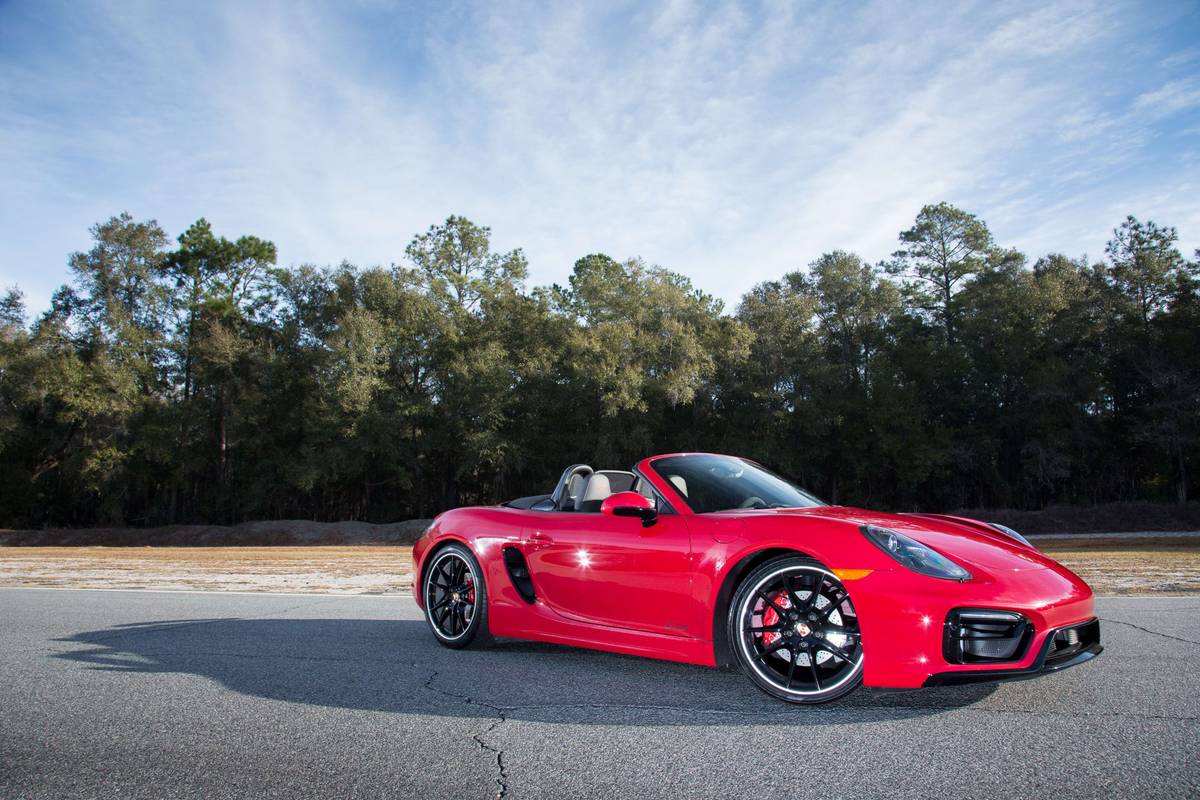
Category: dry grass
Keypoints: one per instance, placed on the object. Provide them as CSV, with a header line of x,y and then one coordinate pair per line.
x,y
1166,565
275,532
1161,565
343,570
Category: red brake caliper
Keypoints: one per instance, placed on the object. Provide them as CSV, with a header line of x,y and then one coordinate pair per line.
x,y
771,617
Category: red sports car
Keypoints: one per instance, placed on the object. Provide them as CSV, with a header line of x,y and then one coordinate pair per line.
x,y
712,559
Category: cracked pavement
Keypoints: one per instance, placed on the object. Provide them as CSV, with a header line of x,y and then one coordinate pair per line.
x,y
210,695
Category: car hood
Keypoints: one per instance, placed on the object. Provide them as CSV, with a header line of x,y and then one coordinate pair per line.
x,y
964,540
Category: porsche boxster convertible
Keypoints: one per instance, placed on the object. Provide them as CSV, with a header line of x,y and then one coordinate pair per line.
x,y
715,560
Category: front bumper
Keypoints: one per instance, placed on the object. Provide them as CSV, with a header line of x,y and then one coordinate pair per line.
x,y
1050,658
903,616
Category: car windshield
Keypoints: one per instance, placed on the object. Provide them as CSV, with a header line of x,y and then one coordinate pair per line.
x,y
721,483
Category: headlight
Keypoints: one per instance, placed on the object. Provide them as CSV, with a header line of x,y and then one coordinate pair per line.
x,y
914,555
1007,531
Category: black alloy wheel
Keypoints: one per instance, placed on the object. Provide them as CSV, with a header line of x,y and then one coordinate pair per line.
x,y
795,633
455,597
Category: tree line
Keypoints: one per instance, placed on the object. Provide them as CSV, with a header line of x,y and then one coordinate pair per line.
x,y
197,381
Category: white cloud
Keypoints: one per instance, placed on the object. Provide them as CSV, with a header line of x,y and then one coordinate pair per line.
x,y
727,142
1171,98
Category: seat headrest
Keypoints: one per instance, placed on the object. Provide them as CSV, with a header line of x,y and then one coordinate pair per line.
x,y
597,488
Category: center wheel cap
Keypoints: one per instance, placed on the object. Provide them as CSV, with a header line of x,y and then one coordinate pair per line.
x,y
802,629
454,596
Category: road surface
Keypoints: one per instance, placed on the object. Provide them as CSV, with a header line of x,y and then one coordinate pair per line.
x,y
212,695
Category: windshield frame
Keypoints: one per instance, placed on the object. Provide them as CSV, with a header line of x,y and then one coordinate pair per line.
x,y
653,465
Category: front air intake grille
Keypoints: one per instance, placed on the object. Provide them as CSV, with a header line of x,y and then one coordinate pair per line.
x,y
982,636
1066,642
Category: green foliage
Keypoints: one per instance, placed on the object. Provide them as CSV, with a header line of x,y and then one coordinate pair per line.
x,y
1144,266
942,251
460,270
205,384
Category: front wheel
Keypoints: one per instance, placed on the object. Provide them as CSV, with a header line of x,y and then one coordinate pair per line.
x,y
794,631
455,597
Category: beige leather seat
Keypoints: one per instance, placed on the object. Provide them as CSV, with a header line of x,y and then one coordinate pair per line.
x,y
595,491
574,492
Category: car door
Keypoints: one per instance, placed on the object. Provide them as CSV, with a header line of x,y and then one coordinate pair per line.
x,y
614,571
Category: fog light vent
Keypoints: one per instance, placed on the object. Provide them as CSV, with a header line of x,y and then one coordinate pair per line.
x,y
980,636
1069,641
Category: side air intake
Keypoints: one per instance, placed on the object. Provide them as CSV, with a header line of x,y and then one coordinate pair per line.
x,y
518,573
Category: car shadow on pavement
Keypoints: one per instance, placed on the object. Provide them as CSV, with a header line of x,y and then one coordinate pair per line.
x,y
395,666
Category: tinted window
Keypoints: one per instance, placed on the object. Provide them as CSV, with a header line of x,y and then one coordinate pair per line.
x,y
720,483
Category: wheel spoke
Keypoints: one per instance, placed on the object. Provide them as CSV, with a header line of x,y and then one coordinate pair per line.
x,y
773,649
815,593
794,598
764,628
834,650
792,667
833,606
812,666
440,603
839,629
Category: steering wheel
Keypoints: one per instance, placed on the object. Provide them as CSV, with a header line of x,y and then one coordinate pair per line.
x,y
754,501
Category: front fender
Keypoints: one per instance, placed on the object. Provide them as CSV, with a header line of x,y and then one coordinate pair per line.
x,y
837,544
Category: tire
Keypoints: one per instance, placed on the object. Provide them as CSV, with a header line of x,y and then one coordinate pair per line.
x,y
454,596
794,632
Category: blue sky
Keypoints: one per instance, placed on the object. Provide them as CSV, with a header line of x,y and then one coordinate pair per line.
x,y
729,142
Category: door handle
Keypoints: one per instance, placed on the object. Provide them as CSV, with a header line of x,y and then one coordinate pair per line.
x,y
539,540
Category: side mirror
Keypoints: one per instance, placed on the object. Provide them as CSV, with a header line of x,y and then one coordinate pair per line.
x,y
630,504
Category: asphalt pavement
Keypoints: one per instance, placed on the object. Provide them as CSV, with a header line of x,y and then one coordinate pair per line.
x,y
216,695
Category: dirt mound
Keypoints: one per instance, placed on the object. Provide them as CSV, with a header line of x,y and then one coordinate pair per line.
x,y
273,532
1111,517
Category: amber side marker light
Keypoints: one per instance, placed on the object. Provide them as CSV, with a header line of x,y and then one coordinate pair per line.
x,y
851,574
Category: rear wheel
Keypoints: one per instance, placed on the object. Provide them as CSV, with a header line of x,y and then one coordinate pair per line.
x,y
795,632
455,597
